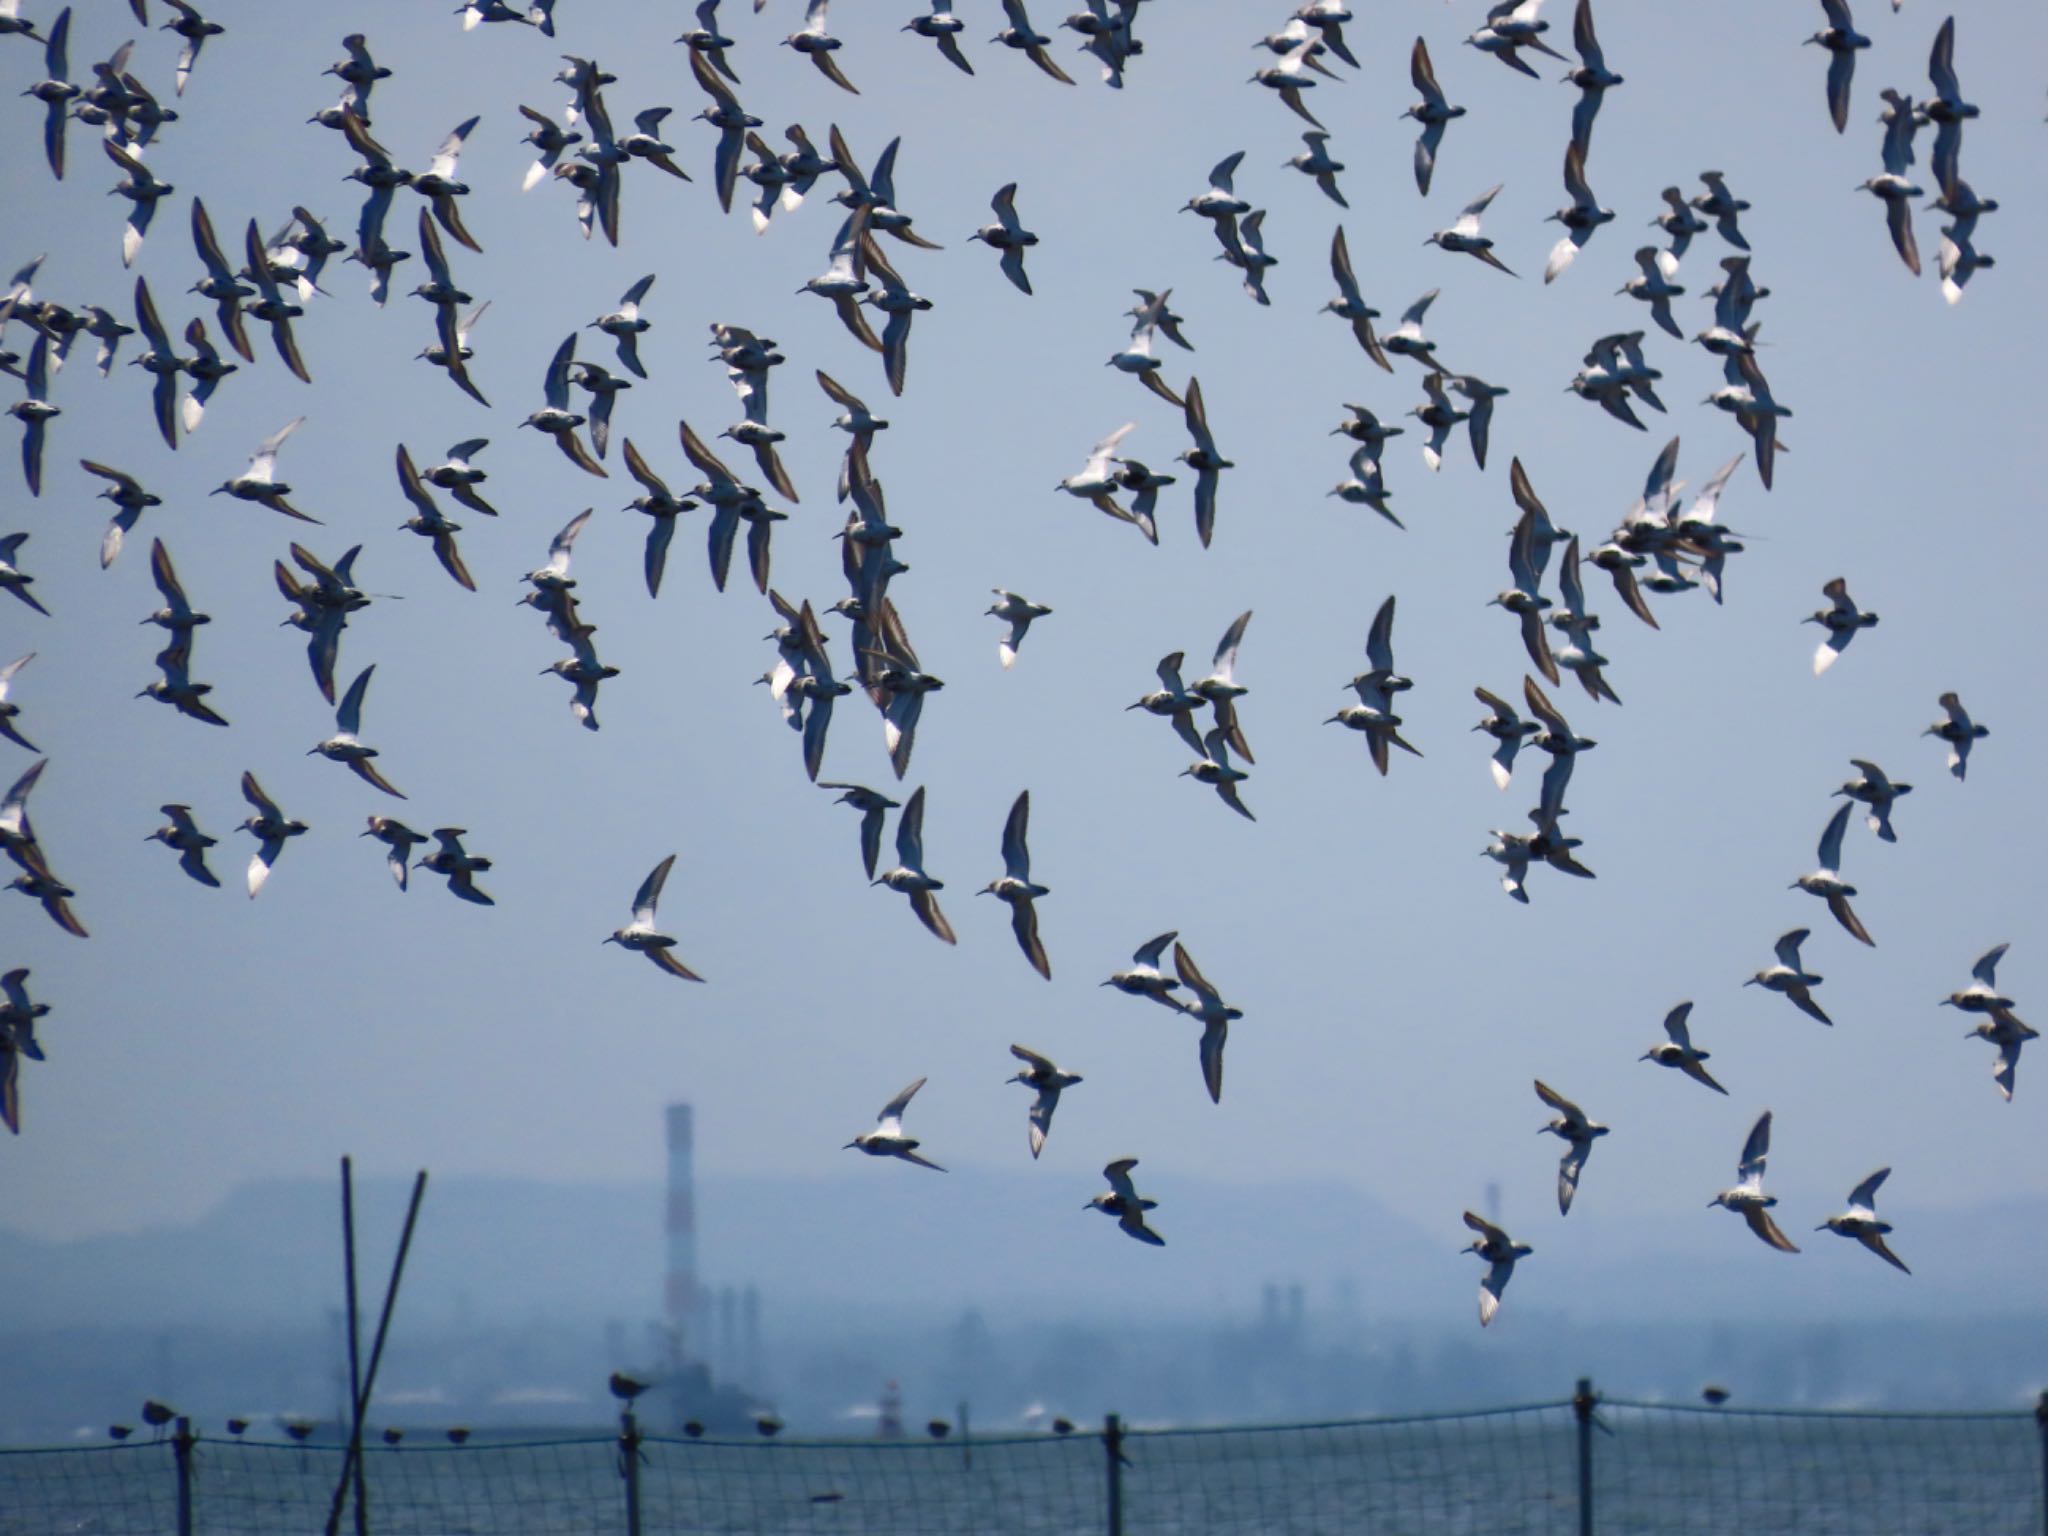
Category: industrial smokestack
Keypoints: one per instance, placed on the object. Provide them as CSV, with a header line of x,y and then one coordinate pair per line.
x,y
679,1292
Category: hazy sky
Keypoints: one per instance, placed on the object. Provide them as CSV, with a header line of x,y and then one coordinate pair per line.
x,y
1396,1003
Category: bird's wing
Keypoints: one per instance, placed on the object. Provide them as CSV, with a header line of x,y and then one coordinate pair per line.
x,y
1755,1151
349,718
893,1110
1379,644
1214,1034
1864,1196
1675,1026
1016,855
1024,923
253,793
649,895
1831,838
1761,1224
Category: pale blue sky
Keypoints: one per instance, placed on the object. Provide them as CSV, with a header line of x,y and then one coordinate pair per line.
x,y
1396,1003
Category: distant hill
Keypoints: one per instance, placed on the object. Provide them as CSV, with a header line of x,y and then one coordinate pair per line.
x,y
892,1242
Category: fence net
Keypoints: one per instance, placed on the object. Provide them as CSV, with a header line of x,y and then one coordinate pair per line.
x,y
1655,1469
1514,1470
1684,1470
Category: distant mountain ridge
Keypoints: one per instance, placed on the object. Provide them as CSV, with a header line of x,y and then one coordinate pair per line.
x,y
887,1241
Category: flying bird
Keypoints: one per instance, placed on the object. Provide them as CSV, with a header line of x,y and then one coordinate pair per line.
x,y
641,935
1463,234
1016,888
1860,1221
1008,237
34,411
887,1138
8,712
1872,788
428,522
1500,1252
1747,1199
1215,1015
944,28
1204,459
1315,163
1790,978
1828,884
399,840
873,806
1591,75
555,419
1842,41
1125,1203
1350,302
270,827
908,875
1959,731
1578,1134
1048,1081
345,746
1020,36
1144,978
1018,613
818,45
259,483
1433,112
460,868
1677,1050
182,834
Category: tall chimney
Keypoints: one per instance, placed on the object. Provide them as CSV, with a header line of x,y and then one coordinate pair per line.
x,y
680,1299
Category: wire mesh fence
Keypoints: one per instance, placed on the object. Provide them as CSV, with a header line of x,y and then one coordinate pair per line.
x,y
1550,1469
1507,1470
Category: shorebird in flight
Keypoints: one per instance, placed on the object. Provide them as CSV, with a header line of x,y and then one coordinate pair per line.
x,y
887,1138
1789,977
1677,1051
1578,1133
1215,1015
270,827
1015,887
1500,1252
182,833
909,876
1747,1199
1873,789
1959,731
1125,1203
1144,978
1049,1082
1860,1221
641,934
1827,884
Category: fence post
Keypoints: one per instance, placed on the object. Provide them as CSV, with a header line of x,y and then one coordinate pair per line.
x,y
629,1464
1582,1410
1113,1453
181,1452
2041,1418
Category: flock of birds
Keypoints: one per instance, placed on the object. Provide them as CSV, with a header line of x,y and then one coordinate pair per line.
x,y
1666,545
